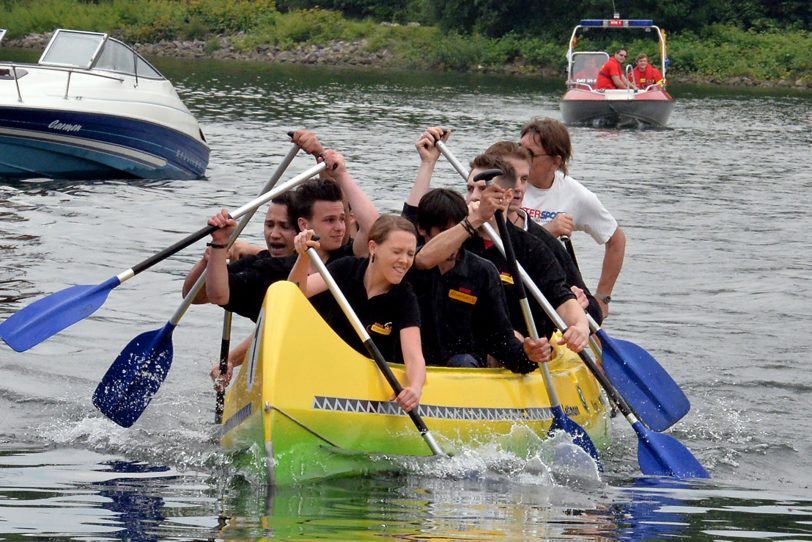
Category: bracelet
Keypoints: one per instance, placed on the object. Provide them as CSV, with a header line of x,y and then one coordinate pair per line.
x,y
216,245
466,224
605,298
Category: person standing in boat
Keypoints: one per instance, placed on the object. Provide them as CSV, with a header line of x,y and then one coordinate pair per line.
x,y
374,286
611,74
562,205
519,157
644,74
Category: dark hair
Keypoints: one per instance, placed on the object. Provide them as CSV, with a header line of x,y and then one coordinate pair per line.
x,y
440,207
282,199
509,149
309,193
553,136
494,161
386,224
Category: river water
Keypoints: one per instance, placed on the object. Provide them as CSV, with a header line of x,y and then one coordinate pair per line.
x,y
716,284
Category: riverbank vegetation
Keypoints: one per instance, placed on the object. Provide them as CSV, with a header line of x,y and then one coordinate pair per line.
x,y
743,41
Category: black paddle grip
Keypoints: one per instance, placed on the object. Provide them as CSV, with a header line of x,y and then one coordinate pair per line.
x,y
177,247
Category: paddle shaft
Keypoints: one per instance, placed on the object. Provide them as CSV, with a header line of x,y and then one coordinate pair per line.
x,y
203,232
369,344
225,343
570,249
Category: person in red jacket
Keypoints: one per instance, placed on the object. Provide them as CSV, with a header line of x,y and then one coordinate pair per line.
x,y
645,74
611,74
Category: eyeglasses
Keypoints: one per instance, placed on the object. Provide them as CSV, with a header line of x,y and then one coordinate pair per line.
x,y
622,54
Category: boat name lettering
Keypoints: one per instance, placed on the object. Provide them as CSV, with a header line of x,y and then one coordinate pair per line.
x,y
64,126
181,155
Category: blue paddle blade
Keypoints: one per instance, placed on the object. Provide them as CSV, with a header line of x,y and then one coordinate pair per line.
x,y
663,455
648,389
48,316
579,435
135,376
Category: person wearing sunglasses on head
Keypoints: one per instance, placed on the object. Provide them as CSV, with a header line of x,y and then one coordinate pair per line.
x,y
611,74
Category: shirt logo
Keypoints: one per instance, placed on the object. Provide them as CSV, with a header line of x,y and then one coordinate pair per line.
x,y
382,329
506,277
464,295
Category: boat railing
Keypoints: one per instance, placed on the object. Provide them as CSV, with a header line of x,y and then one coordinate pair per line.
x,y
70,71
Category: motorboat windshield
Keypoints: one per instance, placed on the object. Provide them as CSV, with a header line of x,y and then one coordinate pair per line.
x,y
585,67
95,50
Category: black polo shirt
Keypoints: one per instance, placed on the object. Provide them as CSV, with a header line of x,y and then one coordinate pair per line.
x,y
250,277
542,267
383,316
464,312
571,271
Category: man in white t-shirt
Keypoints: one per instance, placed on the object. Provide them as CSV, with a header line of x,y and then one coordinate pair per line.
x,y
561,204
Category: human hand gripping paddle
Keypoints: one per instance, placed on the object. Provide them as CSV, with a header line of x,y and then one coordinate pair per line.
x,y
139,370
560,420
651,392
372,349
657,454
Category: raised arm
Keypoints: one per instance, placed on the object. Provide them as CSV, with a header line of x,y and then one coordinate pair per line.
x,y
217,290
429,154
362,207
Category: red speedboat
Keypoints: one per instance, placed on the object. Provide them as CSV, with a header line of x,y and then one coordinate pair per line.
x,y
583,104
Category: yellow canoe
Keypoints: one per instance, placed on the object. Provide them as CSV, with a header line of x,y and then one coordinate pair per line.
x,y
305,405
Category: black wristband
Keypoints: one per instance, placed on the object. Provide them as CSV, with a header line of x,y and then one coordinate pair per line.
x,y
216,245
468,227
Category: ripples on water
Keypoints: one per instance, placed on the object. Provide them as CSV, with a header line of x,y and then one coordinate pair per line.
x,y
716,284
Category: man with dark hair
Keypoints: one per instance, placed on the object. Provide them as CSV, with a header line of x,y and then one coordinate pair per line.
x,y
318,204
531,253
519,157
463,309
611,74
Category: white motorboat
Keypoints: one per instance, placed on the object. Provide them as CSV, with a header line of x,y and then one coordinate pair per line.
x,y
93,108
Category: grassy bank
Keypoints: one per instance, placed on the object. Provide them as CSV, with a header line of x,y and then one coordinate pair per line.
x,y
714,54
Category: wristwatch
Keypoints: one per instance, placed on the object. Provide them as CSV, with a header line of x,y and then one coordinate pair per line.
x,y
605,298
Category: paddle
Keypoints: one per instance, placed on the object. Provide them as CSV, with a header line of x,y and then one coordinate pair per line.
x,y
50,315
372,349
560,420
225,343
139,370
570,249
652,393
657,454
645,385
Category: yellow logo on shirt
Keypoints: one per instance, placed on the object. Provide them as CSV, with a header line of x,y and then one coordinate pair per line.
x,y
506,277
381,329
465,297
